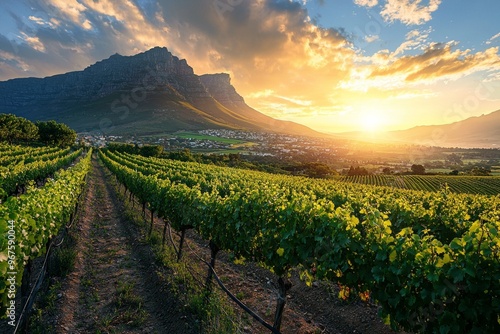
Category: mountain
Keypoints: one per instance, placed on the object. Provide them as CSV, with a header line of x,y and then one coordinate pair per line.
x,y
151,92
474,132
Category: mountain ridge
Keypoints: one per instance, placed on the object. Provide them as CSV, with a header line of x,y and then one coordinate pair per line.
x,y
150,92
472,132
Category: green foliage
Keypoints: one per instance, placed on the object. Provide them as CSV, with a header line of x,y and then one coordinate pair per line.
x,y
36,217
122,147
431,260
357,171
44,306
3,195
19,172
17,129
454,159
216,315
480,171
417,169
151,150
481,185
57,134
312,169
63,262
184,155
387,171
145,150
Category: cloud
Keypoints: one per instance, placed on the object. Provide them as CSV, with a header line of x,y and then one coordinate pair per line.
x,y
264,44
34,42
37,20
456,64
366,3
71,9
260,94
418,62
409,11
296,100
440,61
267,45
493,38
414,40
62,36
371,38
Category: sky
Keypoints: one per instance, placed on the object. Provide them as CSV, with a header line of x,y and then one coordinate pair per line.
x,y
333,65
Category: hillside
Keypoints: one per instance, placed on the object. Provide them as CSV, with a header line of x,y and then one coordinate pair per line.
x,y
151,92
474,132
481,131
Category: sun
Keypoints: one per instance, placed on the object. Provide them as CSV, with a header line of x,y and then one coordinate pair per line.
x,y
372,121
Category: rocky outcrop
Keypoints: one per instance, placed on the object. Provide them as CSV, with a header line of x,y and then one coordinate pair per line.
x,y
219,86
150,91
153,69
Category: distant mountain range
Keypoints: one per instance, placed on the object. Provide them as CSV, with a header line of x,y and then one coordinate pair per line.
x,y
481,131
151,92
474,132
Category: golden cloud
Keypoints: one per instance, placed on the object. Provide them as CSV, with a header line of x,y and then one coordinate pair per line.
x,y
440,61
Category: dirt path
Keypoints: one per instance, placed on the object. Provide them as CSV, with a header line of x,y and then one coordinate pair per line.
x,y
115,286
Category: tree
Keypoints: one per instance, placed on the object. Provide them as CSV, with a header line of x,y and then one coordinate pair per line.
x,y
17,129
455,159
318,170
480,171
184,155
418,169
358,171
387,171
234,157
151,150
123,147
57,134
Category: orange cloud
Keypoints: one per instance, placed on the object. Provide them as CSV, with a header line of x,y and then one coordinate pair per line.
x,y
440,61
265,45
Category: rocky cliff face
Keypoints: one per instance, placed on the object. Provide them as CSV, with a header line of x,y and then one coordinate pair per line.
x,y
153,91
219,86
153,69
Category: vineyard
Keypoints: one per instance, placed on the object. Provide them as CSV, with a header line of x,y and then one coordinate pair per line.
x,y
20,166
427,254
482,185
430,259
29,221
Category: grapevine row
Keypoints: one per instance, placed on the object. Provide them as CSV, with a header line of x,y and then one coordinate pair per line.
x,y
485,185
404,208
26,153
35,217
283,223
21,174
12,150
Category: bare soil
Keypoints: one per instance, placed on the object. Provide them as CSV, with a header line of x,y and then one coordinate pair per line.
x,y
308,310
116,287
